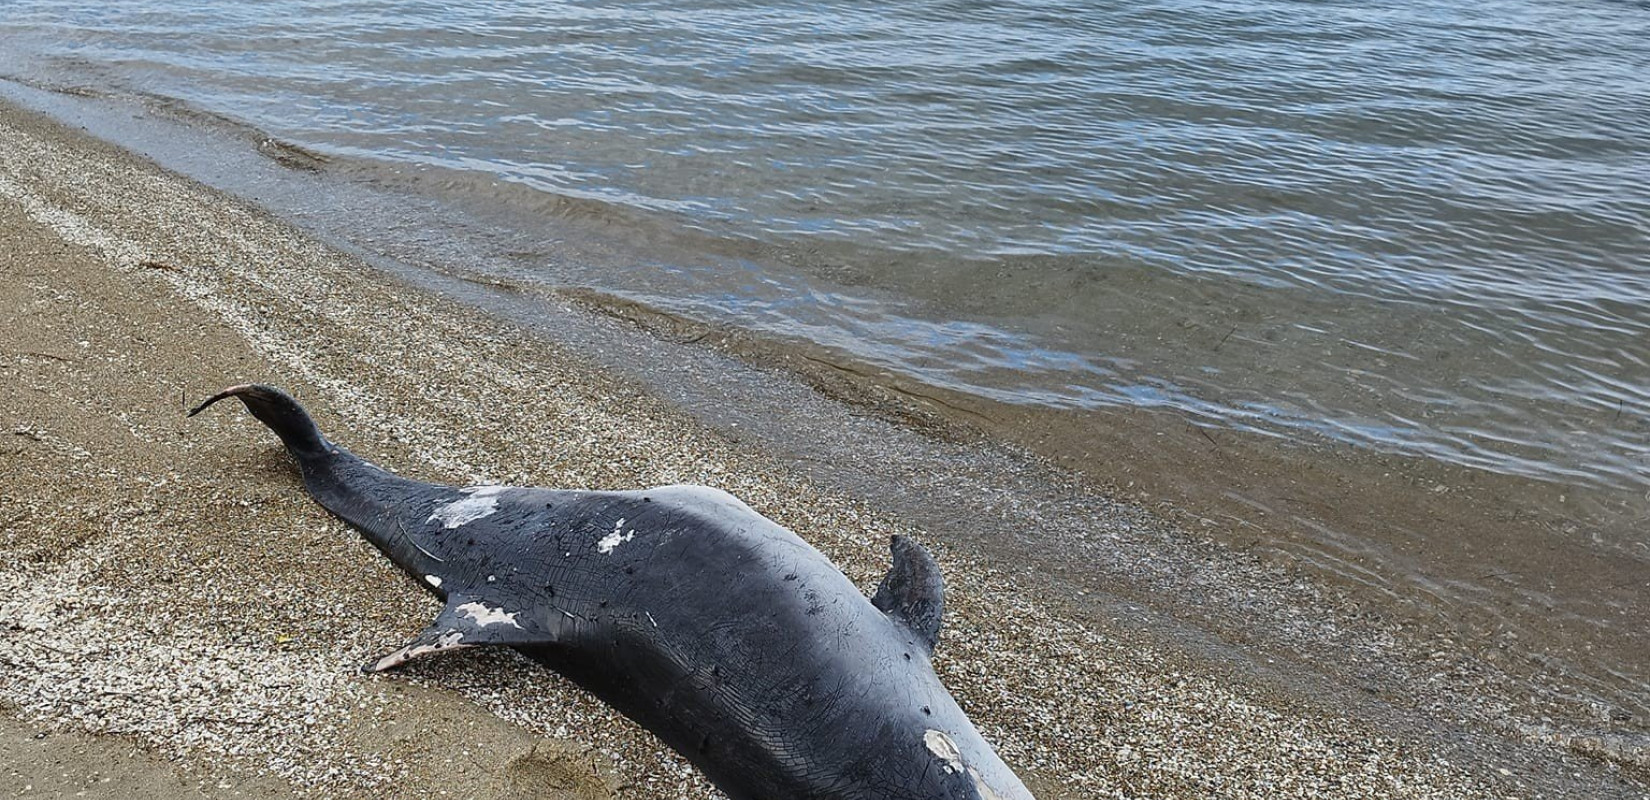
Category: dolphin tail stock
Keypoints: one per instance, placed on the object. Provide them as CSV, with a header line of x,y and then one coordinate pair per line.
x,y
356,491
280,413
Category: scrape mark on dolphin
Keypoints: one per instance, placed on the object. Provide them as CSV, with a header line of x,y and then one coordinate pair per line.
x,y
944,749
985,790
615,539
485,615
481,502
445,641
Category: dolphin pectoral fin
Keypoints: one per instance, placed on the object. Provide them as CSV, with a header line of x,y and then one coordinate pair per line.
x,y
913,593
465,622
433,640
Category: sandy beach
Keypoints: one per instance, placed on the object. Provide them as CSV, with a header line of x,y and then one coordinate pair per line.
x,y
176,617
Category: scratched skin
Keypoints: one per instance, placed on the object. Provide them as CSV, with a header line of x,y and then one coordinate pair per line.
x,y
734,641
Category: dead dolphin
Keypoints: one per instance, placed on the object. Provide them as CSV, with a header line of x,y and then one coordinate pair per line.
x,y
726,635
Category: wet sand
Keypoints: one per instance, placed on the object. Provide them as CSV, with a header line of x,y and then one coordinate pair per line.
x,y
174,611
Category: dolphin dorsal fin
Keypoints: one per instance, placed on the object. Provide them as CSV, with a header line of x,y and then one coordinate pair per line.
x,y
466,622
912,593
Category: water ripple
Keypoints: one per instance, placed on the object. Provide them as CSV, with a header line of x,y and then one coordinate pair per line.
x,y
1422,227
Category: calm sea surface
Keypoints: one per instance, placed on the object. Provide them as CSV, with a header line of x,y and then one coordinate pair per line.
x,y
1421,227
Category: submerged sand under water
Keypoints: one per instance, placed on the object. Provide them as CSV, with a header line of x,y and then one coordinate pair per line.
x,y
164,583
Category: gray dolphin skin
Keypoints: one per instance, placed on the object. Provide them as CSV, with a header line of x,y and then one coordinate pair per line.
x,y
729,637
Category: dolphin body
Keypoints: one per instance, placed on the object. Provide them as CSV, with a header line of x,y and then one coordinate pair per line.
x,y
727,636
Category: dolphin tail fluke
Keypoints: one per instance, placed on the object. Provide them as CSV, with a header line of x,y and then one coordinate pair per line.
x,y
277,410
912,592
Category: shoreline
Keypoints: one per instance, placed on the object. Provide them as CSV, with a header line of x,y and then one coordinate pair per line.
x,y
157,290
1446,553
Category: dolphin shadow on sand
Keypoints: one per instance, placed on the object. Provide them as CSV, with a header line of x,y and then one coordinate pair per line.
x,y
727,636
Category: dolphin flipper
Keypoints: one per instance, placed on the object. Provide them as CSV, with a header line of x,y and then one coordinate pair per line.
x,y
465,622
912,592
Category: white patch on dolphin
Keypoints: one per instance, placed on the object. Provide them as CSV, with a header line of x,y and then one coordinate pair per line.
x,y
944,749
480,501
985,790
486,615
615,538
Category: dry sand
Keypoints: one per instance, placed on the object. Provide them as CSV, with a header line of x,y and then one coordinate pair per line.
x,y
176,618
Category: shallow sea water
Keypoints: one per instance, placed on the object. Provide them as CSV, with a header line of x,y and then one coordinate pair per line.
x,y
1422,228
